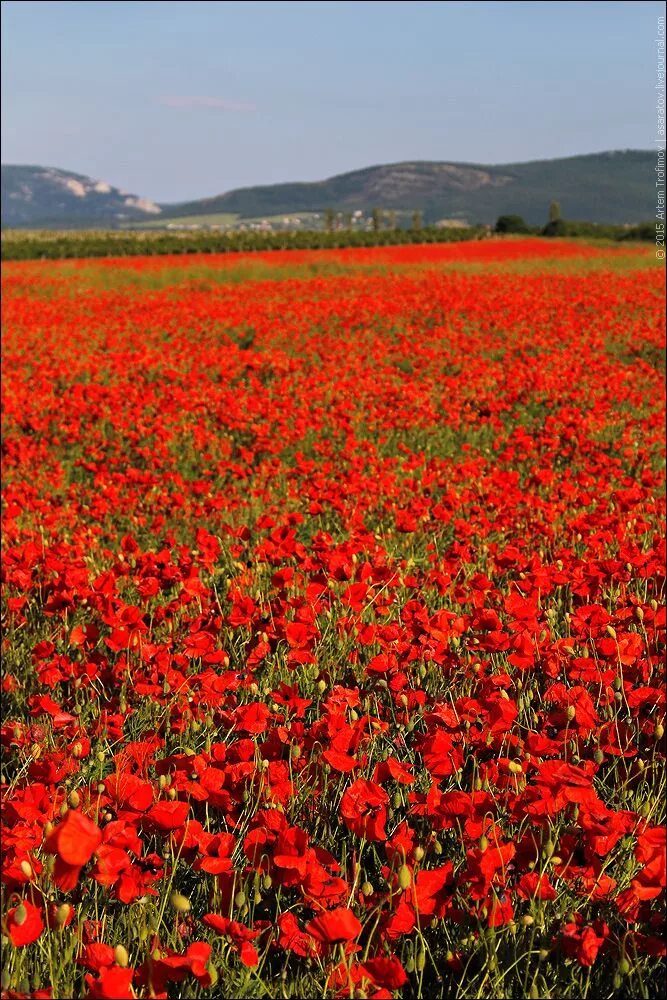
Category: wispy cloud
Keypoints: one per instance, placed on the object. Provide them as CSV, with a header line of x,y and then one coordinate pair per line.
x,y
185,103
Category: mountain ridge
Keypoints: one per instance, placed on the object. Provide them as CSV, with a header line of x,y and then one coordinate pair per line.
x,y
614,187
49,196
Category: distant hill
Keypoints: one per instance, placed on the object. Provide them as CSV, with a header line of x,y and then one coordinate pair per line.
x,y
50,198
614,187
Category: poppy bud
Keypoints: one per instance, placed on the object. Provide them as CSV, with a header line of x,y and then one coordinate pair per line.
x,y
420,960
611,631
74,799
397,801
483,843
598,757
321,686
180,902
121,956
367,889
549,849
639,612
267,882
20,914
26,868
404,877
171,794
418,853
62,914
527,920
257,897
514,767
659,731
213,974
410,965
623,967
240,899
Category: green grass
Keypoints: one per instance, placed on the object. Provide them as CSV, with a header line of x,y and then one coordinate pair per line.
x,y
215,219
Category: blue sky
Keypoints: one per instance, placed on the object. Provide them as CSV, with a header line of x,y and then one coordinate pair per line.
x,y
184,100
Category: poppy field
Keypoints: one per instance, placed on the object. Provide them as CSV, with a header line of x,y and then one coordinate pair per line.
x,y
334,625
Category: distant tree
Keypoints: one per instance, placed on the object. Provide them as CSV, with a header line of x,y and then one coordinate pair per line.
x,y
376,216
555,212
556,226
417,221
391,220
347,220
511,224
329,220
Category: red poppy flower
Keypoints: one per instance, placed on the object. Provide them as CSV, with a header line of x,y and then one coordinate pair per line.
x,y
24,923
111,984
364,809
74,841
335,926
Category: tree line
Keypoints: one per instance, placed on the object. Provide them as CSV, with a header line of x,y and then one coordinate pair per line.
x,y
337,233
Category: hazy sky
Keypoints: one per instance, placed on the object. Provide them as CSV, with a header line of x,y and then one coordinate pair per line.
x,y
184,100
